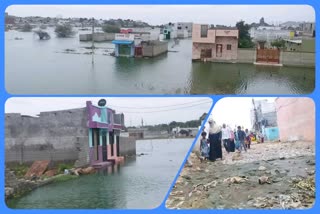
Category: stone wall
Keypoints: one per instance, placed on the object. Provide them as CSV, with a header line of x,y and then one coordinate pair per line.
x,y
246,55
98,37
296,119
154,48
55,136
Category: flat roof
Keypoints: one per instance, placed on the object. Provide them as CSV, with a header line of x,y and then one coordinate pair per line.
x,y
122,42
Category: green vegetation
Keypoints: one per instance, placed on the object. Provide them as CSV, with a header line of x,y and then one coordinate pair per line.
x,y
62,166
26,28
64,31
245,40
107,28
20,170
279,43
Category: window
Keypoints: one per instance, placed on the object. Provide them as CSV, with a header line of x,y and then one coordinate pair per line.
x,y
228,47
206,53
179,28
204,31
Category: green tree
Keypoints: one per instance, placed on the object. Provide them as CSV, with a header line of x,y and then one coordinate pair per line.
x,y
244,36
279,43
26,27
107,28
64,31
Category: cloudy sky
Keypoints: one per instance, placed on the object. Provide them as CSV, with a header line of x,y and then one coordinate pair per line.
x,y
152,110
234,111
159,14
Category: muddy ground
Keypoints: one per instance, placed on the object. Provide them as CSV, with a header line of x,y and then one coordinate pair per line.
x,y
286,168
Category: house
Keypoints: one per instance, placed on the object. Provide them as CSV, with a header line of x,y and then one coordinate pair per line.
x,y
296,119
184,29
104,134
124,44
169,31
214,44
138,44
300,45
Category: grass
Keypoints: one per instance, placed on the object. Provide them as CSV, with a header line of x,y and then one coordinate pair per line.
x,y
62,166
20,170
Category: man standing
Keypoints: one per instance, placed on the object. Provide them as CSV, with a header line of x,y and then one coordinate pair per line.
x,y
241,136
248,139
225,136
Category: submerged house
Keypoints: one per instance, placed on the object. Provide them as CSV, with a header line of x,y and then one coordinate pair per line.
x,y
104,134
138,44
88,136
214,44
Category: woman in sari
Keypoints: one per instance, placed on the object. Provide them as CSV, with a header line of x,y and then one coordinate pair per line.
x,y
215,141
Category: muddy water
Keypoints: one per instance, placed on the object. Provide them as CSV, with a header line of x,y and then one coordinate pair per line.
x,y
38,67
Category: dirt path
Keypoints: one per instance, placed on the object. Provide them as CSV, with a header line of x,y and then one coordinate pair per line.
x,y
287,168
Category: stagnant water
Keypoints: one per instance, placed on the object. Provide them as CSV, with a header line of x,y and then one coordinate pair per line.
x,y
42,67
139,183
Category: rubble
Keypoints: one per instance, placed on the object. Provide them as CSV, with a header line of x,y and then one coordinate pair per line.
x,y
233,183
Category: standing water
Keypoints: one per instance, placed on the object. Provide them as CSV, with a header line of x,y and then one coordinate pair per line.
x,y
140,183
64,66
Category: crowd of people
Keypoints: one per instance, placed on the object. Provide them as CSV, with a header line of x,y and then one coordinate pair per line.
x,y
232,140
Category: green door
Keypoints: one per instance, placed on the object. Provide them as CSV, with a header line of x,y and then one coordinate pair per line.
x,y
124,50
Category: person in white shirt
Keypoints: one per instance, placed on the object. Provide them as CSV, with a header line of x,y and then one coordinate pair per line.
x,y
225,136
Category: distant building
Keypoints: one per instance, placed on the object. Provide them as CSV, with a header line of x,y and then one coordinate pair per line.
x,y
263,115
214,44
296,119
269,34
300,45
184,29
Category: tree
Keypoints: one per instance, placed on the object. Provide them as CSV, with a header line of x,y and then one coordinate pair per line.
x,y
245,40
107,28
26,27
64,31
279,43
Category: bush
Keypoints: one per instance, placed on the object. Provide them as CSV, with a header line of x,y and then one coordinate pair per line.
x,y
107,28
64,31
279,43
26,27
62,166
20,170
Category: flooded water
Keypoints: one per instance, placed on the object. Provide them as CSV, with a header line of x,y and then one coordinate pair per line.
x,y
45,67
139,183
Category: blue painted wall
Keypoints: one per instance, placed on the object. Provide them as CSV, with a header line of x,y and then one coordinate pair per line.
x,y
271,133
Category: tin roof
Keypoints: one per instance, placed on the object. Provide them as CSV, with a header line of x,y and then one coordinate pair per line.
x,y
122,42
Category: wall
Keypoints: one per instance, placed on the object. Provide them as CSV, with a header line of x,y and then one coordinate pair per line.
x,y
303,59
271,133
196,35
296,119
287,58
98,37
154,48
127,146
55,136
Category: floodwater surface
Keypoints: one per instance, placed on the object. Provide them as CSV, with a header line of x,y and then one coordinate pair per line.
x,y
141,183
64,66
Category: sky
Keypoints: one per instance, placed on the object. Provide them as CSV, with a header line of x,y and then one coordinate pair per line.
x,y
160,14
152,110
234,111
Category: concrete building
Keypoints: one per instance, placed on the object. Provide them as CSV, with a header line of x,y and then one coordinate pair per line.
x,y
84,136
300,45
269,34
124,45
214,44
296,119
263,115
97,37
184,29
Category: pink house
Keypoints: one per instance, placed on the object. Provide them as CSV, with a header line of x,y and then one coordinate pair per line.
x,y
214,44
296,119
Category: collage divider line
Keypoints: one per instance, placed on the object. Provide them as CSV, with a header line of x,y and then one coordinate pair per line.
x,y
162,205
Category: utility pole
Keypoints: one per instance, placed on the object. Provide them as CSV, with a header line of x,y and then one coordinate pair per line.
x,y
92,46
256,127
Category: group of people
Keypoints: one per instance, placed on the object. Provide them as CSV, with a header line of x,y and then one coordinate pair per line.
x,y
211,146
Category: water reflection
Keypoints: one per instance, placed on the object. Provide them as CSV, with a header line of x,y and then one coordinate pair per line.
x,y
41,67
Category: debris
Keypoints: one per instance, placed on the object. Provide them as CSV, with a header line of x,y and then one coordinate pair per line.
x,y
37,168
264,179
236,180
262,168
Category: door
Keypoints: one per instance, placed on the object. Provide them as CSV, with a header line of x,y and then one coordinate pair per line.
x,y
124,50
95,140
138,51
118,145
111,141
268,56
219,50
104,146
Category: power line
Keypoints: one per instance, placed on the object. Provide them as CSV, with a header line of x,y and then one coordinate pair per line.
x,y
115,106
167,109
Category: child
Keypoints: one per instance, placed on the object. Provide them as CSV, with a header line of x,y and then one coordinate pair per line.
x,y
204,147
